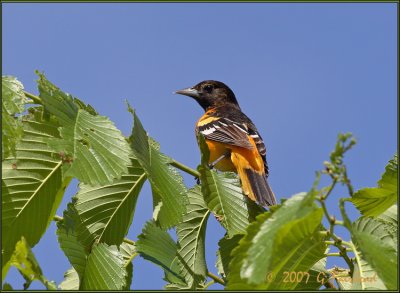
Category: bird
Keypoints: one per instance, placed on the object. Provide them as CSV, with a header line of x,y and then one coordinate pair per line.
x,y
233,140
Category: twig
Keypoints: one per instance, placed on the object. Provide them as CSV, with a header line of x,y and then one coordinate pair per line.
x,y
35,99
209,284
126,240
185,168
333,254
57,218
337,241
216,278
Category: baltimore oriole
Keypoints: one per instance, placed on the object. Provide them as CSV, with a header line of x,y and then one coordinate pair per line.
x,y
232,138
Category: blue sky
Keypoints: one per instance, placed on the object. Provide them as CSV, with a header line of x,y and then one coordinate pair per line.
x,y
302,73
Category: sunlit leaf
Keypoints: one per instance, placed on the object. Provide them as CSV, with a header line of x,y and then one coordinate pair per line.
x,y
376,254
71,280
13,102
24,260
96,149
374,201
288,240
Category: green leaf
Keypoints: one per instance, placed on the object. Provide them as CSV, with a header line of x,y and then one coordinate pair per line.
x,y
128,251
105,269
98,151
13,96
32,185
374,201
224,253
376,254
106,212
286,241
191,239
316,276
13,102
68,239
24,260
157,246
7,287
165,179
71,280
342,277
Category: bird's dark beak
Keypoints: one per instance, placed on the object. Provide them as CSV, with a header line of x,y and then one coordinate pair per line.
x,y
191,92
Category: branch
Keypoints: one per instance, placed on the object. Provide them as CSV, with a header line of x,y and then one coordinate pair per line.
x,y
185,168
126,240
337,241
35,99
216,278
57,218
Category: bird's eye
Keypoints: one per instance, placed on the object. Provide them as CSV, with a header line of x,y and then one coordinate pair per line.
x,y
208,88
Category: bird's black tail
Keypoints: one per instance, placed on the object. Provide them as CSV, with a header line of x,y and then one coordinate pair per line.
x,y
260,187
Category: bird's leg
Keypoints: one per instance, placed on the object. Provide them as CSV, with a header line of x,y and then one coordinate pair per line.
x,y
226,155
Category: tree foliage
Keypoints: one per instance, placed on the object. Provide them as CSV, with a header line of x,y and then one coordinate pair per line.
x,y
50,139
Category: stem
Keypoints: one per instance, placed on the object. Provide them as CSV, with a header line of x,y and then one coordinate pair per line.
x,y
209,284
346,220
185,168
126,240
216,278
347,182
333,254
35,99
337,241
329,190
57,218
130,259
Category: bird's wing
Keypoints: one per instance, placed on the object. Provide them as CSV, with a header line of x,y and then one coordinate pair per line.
x,y
226,131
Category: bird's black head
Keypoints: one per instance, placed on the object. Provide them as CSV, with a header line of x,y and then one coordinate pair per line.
x,y
210,94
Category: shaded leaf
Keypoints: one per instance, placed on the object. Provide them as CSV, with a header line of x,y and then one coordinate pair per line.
x,y
286,241
71,280
191,239
316,276
98,151
7,287
157,246
224,257
105,269
69,243
165,179
374,201
106,212
32,185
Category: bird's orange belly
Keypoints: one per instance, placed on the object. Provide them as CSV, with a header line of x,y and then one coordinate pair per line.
x,y
217,150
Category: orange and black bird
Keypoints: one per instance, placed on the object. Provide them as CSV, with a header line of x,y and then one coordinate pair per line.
x,y
232,138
